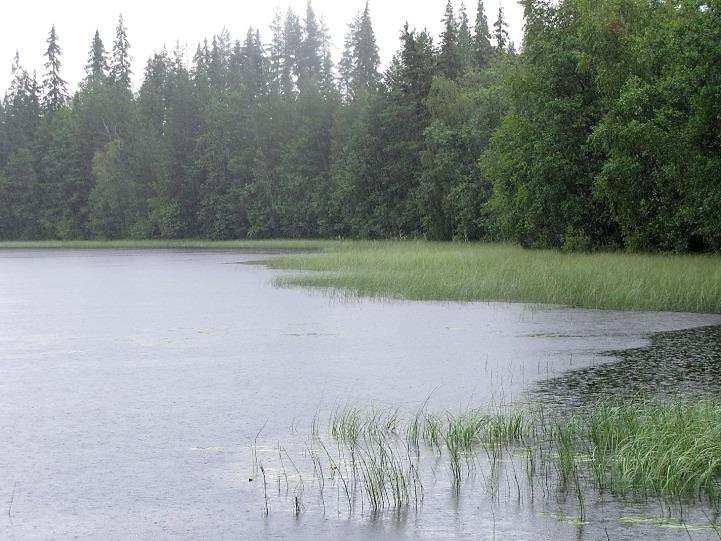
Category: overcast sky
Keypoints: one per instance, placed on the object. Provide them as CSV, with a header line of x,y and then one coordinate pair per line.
x,y
153,23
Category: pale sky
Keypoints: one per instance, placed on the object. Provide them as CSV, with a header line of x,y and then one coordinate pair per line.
x,y
151,24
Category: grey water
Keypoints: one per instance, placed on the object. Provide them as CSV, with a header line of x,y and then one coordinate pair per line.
x,y
134,383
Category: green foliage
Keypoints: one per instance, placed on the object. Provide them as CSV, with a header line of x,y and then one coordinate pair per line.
x,y
115,203
541,163
661,137
500,31
670,449
453,187
602,132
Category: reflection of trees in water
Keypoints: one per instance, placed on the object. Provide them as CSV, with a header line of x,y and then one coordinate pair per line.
x,y
676,363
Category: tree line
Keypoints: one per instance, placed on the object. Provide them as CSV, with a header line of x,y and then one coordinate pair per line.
x,y
602,131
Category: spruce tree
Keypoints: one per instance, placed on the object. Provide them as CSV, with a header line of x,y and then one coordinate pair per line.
x,y
152,96
96,70
482,48
450,62
292,42
312,48
367,57
465,39
359,66
253,65
20,203
220,54
22,106
500,31
120,70
275,49
405,118
56,92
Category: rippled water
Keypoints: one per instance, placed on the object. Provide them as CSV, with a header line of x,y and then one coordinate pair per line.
x,y
134,383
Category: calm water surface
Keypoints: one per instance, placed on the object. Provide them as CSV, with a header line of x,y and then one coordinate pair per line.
x,y
133,384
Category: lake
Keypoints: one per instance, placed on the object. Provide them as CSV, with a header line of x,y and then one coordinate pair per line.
x,y
134,384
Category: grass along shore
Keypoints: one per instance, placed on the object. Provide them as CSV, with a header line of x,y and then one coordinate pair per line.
x,y
419,270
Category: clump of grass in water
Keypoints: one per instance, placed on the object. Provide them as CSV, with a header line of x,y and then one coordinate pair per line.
x,y
370,441
668,450
672,449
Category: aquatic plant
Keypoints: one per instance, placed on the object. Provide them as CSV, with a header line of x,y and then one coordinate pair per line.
x,y
667,450
672,448
419,270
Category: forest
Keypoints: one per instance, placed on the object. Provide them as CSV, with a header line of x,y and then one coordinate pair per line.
x,y
601,131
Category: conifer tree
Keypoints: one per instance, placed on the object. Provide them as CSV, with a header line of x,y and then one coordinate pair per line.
x,y
500,31
465,39
450,62
56,93
96,69
276,50
22,106
405,119
482,48
253,65
220,55
152,97
292,41
120,70
20,204
360,62
311,49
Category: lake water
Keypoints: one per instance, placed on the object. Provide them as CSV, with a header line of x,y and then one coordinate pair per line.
x,y
133,385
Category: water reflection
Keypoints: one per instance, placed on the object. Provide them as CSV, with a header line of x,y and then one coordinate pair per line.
x,y
683,363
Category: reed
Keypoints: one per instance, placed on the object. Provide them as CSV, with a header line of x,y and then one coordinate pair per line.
x,y
419,270
671,450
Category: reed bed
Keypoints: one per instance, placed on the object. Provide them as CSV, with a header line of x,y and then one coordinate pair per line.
x,y
378,459
418,270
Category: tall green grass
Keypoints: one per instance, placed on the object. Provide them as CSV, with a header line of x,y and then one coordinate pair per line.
x,y
379,458
417,270
670,450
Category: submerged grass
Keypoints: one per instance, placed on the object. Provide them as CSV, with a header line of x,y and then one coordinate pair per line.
x,y
417,270
670,451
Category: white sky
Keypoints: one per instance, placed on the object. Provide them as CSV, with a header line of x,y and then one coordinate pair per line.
x,y
153,23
